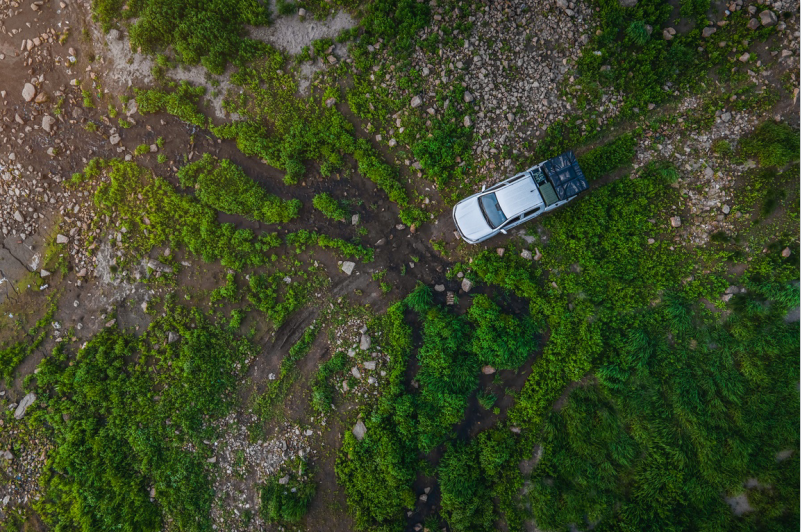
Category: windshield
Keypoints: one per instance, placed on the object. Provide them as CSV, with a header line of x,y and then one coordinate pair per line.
x,y
491,210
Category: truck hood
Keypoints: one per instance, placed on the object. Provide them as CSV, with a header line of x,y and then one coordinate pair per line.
x,y
470,220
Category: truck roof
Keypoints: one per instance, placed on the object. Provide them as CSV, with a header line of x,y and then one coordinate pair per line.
x,y
519,196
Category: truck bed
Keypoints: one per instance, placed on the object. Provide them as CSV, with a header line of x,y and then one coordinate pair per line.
x,y
566,175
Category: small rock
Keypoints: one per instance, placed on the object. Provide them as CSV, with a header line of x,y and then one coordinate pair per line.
x,y
61,239
359,430
487,370
114,139
467,284
416,102
753,24
726,209
667,35
18,217
28,92
158,266
347,267
48,122
365,342
111,323
23,405
355,372
500,251
467,122
768,18
173,337
675,221
537,254
526,254
354,220
468,97
744,58
44,273
708,32
786,252
439,287
725,117
301,12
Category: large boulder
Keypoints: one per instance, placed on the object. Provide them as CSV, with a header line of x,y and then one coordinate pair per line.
x,y
768,18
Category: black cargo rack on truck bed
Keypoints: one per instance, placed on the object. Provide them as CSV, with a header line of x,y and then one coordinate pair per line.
x,y
566,175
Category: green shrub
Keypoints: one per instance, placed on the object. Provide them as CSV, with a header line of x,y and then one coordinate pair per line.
x,y
182,102
420,299
223,185
604,159
500,340
330,207
210,33
142,149
773,144
287,502
122,420
638,33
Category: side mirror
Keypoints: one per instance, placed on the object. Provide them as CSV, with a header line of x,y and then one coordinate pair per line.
x,y
504,231
483,188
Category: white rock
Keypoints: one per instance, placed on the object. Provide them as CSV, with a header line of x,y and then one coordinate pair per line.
x,y
48,122
28,92
347,267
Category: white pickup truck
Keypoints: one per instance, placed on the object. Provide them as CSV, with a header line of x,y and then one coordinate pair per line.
x,y
520,198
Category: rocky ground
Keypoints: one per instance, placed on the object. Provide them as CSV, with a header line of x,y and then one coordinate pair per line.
x,y
515,63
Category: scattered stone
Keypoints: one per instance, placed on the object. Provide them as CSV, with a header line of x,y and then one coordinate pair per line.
x,y
416,102
753,24
744,59
667,35
526,254
768,18
159,266
28,92
675,221
111,323
467,122
173,337
114,139
537,254
354,220
355,372
359,430
18,217
23,405
725,117
487,370
467,284
726,209
347,267
468,97
708,32
439,287
61,239
301,12
48,122
786,252
370,364
500,251
365,342
44,273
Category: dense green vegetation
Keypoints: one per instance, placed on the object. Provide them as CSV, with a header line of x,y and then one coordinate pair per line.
x,y
181,102
287,498
223,185
330,207
122,411
12,355
772,144
210,33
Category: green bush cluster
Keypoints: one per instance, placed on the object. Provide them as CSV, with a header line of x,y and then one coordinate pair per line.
x,y
12,355
278,299
288,501
164,216
330,207
403,424
181,102
210,33
222,185
303,238
682,415
122,413
322,390
600,161
772,143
